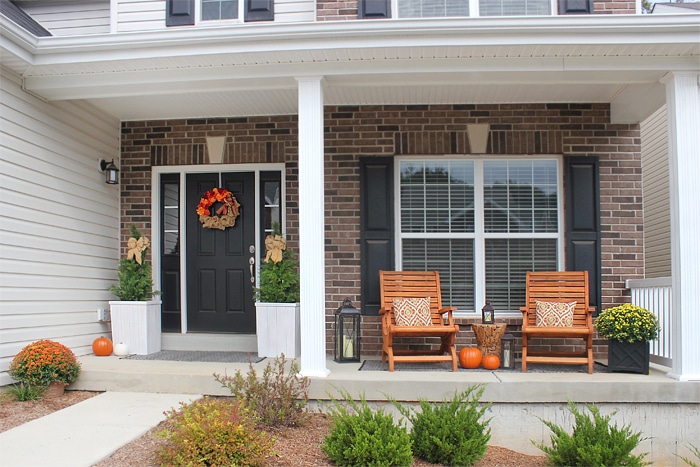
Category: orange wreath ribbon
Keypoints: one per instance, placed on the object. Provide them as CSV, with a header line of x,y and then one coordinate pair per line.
x,y
226,214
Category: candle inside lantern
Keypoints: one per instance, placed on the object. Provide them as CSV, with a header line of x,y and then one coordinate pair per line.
x,y
348,349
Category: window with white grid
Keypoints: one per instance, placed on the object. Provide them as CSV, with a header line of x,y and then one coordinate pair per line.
x,y
481,223
457,8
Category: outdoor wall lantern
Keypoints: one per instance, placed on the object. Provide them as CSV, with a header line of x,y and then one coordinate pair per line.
x,y
347,333
507,352
111,171
487,313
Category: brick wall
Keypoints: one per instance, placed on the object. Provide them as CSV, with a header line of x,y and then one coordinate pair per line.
x,y
355,131
338,10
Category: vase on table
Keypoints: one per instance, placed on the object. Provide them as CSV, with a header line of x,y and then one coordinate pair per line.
x,y
628,357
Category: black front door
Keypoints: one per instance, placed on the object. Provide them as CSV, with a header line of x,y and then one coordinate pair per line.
x,y
219,289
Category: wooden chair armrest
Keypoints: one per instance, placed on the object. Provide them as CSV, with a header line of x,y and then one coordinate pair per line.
x,y
385,310
448,310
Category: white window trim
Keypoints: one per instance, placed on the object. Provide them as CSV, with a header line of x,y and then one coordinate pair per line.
x,y
479,235
222,22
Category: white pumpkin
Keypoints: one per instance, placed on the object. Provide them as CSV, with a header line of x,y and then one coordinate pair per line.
x,y
121,349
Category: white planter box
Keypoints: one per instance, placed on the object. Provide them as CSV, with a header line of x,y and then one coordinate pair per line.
x,y
136,324
278,330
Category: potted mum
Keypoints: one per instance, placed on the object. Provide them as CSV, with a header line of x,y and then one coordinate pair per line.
x,y
45,364
136,314
629,328
277,300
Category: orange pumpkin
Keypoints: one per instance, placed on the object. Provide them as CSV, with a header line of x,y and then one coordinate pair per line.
x,y
470,357
102,347
491,362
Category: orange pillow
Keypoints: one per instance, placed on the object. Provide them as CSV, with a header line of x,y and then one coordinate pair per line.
x,y
412,311
554,314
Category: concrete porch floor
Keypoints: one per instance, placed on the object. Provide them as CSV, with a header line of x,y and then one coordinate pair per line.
x,y
665,410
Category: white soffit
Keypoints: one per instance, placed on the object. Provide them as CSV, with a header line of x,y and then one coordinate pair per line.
x,y
251,69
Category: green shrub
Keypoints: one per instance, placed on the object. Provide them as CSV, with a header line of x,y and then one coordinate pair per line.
x,y
23,392
279,398
213,432
450,432
279,271
593,441
696,453
359,436
134,276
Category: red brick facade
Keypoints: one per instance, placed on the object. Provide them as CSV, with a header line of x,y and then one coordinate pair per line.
x,y
355,131
338,10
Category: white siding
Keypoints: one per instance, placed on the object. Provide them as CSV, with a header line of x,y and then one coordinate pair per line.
x,y
655,189
295,11
59,221
140,15
70,18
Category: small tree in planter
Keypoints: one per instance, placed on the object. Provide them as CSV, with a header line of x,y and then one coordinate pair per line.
x,y
279,274
136,308
134,273
277,300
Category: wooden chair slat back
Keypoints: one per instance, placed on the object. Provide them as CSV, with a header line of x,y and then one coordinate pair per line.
x,y
565,287
411,284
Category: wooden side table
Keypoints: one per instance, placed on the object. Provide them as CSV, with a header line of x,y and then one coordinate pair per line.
x,y
488,338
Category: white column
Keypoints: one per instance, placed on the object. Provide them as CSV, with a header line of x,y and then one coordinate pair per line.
x,y
683,108
311,228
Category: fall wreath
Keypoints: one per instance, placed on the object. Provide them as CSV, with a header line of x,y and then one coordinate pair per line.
x,y
225,215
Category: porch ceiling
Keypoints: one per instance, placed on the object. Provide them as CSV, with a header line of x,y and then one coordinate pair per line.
x,y
252,70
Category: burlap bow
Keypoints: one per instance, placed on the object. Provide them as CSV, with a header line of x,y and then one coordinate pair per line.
x,y
136,247
274,245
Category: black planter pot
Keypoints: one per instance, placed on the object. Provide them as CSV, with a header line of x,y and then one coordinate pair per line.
x,y
625,357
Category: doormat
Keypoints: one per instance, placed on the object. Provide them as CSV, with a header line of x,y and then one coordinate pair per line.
x,y
199,356
377,365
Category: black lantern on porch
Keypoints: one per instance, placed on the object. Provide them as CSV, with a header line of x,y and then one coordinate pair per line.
x,y
347,333
487,313
507,352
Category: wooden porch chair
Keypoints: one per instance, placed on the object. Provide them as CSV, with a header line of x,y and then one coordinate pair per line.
x,y
558,287
416,284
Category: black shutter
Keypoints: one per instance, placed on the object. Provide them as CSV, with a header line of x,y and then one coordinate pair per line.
x,y
583,221
575,7
259,10
376,227
179,12
374,9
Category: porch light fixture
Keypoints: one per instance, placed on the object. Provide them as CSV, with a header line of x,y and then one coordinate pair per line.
x,y
507,352
111,171
347,333
487,313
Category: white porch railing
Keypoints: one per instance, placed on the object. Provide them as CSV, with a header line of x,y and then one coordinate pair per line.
x,y
655,296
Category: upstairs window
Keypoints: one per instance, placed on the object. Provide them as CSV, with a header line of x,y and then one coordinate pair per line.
x,y
475,8
199,12
216,10
515,7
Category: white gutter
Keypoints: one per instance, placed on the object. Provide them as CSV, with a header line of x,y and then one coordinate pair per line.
x,y
256,38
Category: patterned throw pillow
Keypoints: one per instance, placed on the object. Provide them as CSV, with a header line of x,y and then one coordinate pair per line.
x,y
555,314
412,311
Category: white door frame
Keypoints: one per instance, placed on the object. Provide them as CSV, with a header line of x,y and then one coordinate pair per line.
x,y
182,170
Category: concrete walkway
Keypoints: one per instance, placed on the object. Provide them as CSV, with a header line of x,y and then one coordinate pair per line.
x,y
87,432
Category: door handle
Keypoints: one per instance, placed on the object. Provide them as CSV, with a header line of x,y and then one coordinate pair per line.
x,y
251,262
